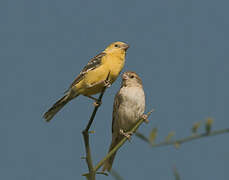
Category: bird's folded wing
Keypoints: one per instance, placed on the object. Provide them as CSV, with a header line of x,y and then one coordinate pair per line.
x,y
117,101
92,64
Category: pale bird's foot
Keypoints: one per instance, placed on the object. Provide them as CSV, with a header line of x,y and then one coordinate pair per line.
x,y
126,134
107,83
145,117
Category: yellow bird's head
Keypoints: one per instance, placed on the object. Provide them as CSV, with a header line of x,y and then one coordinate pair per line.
x,y
117,47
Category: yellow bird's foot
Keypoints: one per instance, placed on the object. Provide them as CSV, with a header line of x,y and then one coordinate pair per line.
x,y
107,83
97,103
126,134
145,117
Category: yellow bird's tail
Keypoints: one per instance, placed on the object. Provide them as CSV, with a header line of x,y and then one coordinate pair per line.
x,y
57,107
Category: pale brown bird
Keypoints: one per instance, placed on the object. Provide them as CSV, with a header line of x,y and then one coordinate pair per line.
x,y
91,79
128,108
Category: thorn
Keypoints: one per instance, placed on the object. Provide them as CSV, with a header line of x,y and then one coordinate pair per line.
x,y
103,173
86,175
145,117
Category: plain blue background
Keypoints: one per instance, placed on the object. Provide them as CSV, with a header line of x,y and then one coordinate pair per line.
x,y
179,48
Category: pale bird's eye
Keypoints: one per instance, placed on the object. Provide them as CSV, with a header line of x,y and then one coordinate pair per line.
x,y
132,76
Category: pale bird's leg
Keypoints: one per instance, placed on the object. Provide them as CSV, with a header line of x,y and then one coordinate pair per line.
x,y
126,134
145,117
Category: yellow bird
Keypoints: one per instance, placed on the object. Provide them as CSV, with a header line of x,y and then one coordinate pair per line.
x,y
91,79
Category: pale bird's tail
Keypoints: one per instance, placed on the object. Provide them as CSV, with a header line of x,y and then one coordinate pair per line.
x,y
57,107
108,163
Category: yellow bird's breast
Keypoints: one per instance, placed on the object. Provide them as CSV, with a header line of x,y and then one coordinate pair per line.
x,y
93,81
115,67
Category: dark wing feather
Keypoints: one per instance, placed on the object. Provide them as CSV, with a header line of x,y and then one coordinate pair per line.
x,y
118,100
92,64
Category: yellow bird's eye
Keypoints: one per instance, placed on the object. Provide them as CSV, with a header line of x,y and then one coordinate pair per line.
x,y
116,45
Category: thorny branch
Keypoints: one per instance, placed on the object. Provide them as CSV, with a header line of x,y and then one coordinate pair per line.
x,y
178,142
133,130
92,172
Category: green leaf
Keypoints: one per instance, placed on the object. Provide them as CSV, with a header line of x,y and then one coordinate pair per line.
x,y
176,174
208,125
195,127
170,135
153,135
177,145
91,132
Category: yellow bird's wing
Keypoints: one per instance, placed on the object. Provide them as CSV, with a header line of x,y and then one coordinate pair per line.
x,y
94,63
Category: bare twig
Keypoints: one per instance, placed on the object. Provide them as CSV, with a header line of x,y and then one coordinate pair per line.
x,y
116,175
91,175
183,140
141,120
92,172
176,173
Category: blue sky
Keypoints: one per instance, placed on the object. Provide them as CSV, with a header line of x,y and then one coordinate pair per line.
x,y
180,50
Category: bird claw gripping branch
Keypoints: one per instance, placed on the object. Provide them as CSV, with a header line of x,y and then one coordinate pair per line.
x,y
126,134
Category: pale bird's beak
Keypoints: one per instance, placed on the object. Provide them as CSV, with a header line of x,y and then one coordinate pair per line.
x,y
124,77
125,46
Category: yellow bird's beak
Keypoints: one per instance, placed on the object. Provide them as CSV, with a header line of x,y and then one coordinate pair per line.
x,y
125,46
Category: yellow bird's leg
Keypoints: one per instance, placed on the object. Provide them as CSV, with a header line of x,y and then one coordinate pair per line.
x,y
97,102
107,83
104,82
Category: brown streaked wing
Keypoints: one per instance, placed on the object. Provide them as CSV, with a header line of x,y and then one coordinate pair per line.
x,y
92,64
118,100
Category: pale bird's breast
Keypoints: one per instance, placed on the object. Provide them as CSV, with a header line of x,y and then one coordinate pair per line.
x,y
132,106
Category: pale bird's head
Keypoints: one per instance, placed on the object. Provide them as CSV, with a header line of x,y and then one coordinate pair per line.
x,y
130,78
117,47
